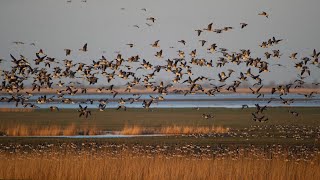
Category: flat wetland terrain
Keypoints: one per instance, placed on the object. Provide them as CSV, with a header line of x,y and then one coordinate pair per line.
x,y
112,119
51,145
282,127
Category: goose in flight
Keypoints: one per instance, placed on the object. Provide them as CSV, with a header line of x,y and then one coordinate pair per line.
x,y
209,28
212,48
218,31
222,77
39,59
256,91
102,107
155,44
159,54
310,95
260,109
305,69
260,119
132,100
18,42
84,111
130,45
193,53
122,104
183,42
243,25
202,42
286,102
199,31
263,13
315,54
151,19
242,77
84,48
40,53
227,28
146,104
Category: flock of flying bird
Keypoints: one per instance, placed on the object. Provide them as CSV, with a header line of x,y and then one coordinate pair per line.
x,y
46,71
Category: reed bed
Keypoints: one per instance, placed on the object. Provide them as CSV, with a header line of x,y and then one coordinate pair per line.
x,y
136,130
71,130
88,166
52,130
17,110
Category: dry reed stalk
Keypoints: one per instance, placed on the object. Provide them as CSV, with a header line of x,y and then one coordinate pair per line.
x,y
70,130
136,130
133,130
24,130
17,109
93,131
86,166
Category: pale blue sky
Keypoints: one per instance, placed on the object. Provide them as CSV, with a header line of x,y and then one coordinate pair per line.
x,y
55,25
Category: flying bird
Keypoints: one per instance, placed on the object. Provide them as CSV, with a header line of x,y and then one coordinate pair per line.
x,y
130,45
263,13
151,19
155,44
68,51
84,111
84,48
183,42
199,32
209,28
243,25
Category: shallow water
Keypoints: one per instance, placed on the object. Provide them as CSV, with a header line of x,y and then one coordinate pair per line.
x,y
234,100
98,136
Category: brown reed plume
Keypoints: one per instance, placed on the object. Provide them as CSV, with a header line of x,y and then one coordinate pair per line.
x,y
52,130
102,166
136,130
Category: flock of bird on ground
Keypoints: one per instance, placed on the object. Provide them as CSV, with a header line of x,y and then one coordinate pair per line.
x,y
97,150
46,70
